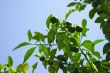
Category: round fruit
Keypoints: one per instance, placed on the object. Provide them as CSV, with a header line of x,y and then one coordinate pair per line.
x,y
50,63
54,20
79,29
95,5
71,29
61,58
74,49
68,24
42,58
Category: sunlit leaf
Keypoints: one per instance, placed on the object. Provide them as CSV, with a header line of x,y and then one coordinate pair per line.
x,y
51,36
76,57
38,36
10,61
19,68
29,35
97,54
45,50
98,41
28,54
21,45
48,21
62,42
69,12
71,4
1,67
88,45
44,64
38,55
41,48
52,54
85,31
84,23
12,70
25,67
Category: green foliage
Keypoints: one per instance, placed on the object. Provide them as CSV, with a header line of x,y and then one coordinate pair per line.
x,y
71,4
77,56
29,35
48,21
34,66
21,45
28,54
10,61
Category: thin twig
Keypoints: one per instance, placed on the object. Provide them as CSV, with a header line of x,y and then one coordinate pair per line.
x,y
87,60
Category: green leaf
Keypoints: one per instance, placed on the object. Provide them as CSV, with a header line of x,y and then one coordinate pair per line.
x,y
10,61
76,57
56,66
46,51
106,48
38,36
25,67
71,4
99,20
48,21
1,67
69,12
38,55
51,36
97,54
52,55
98,41
62,42
44,64
85,31
92,13
41,48
12,70
29,35
84,23
51,69
106,64
21,45
19,68
88,45
28,54
34,66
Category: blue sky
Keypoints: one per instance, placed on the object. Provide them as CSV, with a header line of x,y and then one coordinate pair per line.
x,y
17,16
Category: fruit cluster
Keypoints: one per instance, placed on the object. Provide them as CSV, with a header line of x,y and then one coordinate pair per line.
x,y
72,29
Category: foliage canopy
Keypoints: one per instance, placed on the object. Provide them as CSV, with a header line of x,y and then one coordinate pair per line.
x,y
77,56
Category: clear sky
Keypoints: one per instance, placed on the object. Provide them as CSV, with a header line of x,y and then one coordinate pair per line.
x,y
17,16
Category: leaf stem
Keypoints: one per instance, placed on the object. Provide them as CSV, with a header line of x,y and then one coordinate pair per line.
x,y
87,60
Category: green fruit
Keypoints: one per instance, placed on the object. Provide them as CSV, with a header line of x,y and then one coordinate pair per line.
x,y
79,29
50,63
61,58
95,5
54,20
68,24
42,58
71,29
74,49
